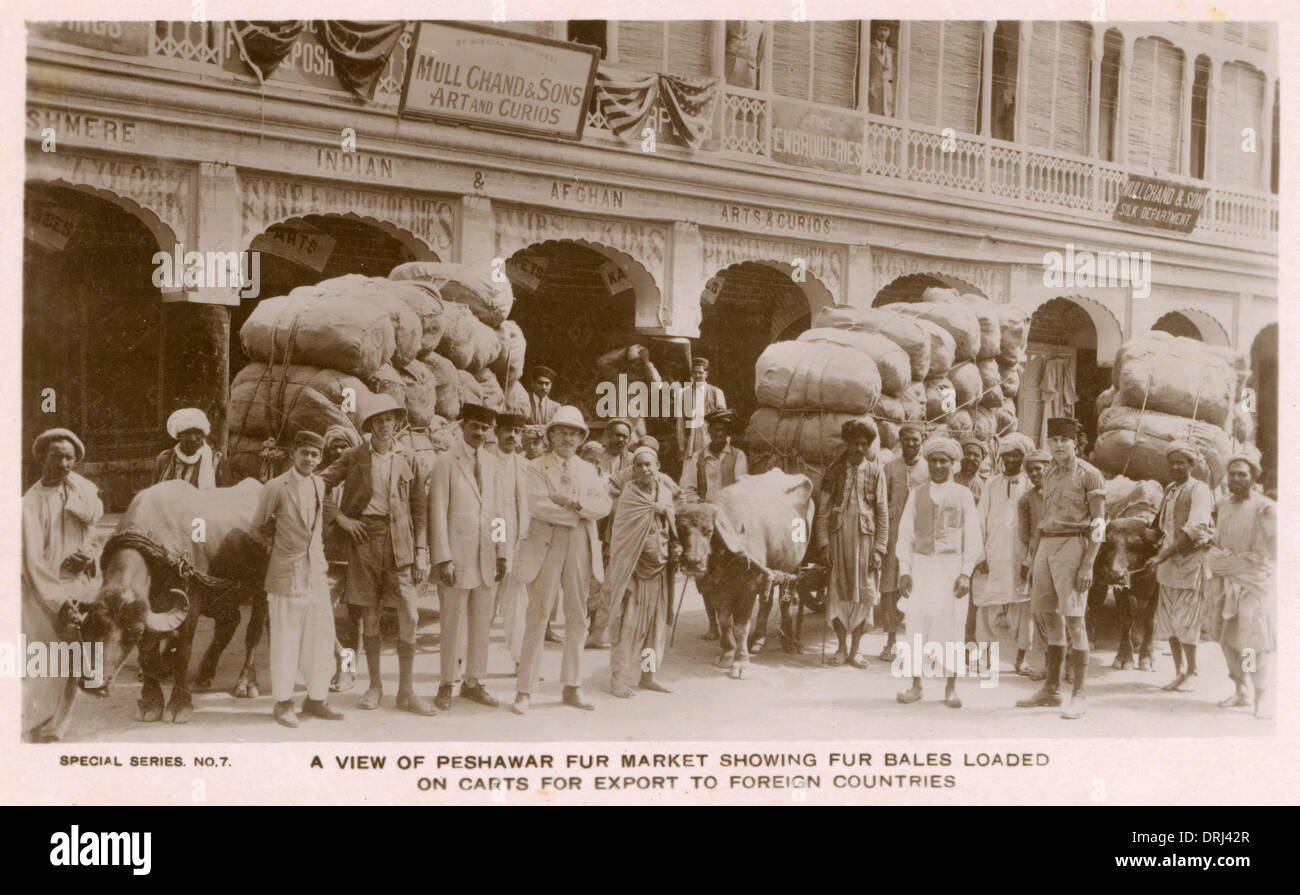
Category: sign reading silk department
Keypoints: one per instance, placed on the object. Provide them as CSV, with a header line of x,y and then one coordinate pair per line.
x,y
499,79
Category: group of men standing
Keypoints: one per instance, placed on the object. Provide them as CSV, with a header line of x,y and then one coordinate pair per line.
x,y
962,557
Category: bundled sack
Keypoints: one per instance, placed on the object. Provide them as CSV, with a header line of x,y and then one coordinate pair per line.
x,y
939,389
957,320
1009,378
280,401
986,313
466,341
914,410
889,408
1176,376
1234,358
1123,493
446,379
959,422
387,381
427,442
517,400
813,436
1104,400
943,349
509,365
421,394
1123,431
806,376
986,423
900,329
969,385
490,392
309,328
470,390
1005,421
470,285
407,333
427,305
891,361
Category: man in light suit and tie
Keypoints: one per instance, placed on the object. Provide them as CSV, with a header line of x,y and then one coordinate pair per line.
x,y
699,400
289,521
467,547
540,406
512,469
561,552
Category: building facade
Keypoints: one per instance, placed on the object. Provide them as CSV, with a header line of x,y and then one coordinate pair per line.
x,y
818,163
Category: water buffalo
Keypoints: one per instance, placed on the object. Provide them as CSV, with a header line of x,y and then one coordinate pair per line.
x,y
754,535
1120,565
178,553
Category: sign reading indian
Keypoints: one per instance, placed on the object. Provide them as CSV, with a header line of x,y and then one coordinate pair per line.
x,y
1152,202
499,79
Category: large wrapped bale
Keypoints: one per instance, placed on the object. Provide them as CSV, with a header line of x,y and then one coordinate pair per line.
x,y
1015,336
1104,400
517,400
805,376
427,442
1176,376
887,435
1009,378
421,394
1131,442
985,423
407,333
986,312
889,408
916,394
957,320
489,391
470,285
966,381
1243,424
466,341
311,328
447,382
892,362
940,397
943,349
813,436
1005,420
914,410
900,329
960,422
427,305
1124,494
509,365
281,400
387,381
470,390
1239,362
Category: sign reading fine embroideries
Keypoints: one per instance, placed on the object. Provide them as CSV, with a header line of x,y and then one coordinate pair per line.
x,y
1151,202
499,79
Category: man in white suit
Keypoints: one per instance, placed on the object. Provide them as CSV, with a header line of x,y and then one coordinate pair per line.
x,y
561,552
467,547
512,487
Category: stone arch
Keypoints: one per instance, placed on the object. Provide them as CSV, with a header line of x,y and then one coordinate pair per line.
x,y
416,247
1110,335
1210,330
650,307
162,231
817,294
909,287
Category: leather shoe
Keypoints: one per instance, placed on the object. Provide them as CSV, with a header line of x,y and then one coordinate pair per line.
x,y
283,712
573,697
1045,696
478,693
443,699
416,705
321,709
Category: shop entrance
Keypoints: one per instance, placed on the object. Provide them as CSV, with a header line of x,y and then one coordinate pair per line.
x,y
1062,374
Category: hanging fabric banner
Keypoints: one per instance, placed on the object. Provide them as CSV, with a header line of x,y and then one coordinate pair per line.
x,y
358,50
264,45
628,101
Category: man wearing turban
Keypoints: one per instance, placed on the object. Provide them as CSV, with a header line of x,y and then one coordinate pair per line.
x,y
1002,611
937,549
851,529
191,459
1184,529
902,474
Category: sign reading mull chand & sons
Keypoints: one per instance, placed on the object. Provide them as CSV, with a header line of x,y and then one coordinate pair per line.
x,y
498,79
1152,202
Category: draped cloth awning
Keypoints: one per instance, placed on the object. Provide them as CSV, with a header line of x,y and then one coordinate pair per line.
x,y
359,50
626,101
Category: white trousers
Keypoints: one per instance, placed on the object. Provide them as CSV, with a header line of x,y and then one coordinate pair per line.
x,y
302,639
514,608
454,604
567,568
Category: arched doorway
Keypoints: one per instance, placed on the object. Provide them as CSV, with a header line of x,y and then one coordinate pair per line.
x,y
751,305
1062,371
912,286
303,251
1192,324
93,334
1263,366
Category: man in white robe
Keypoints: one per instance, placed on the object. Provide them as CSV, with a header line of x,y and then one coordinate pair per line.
x,y
938,546
59,513
1002,612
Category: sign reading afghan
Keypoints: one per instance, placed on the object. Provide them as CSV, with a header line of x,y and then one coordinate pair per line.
x,y
499,79
1151,202
816,138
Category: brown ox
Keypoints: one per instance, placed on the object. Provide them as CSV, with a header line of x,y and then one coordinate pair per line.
x,y
754,535
1120,567
179,553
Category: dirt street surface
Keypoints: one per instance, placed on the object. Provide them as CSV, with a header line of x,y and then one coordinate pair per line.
x,y
783,696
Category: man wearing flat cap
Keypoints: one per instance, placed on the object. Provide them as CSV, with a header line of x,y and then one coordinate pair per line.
x,y
58,517
1002,612
289,522
851,529
902,474
938,546
1243,586
464,506
192,458
1069,536
541,407
699,399
1184,528
561,553
383,511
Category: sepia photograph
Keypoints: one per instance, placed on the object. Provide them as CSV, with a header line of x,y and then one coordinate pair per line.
x,y
521,381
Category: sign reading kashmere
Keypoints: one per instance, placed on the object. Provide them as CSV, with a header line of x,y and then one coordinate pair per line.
x,y
499,79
